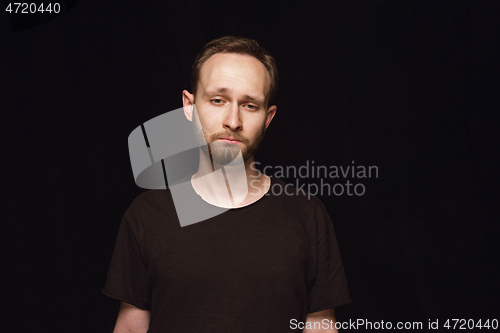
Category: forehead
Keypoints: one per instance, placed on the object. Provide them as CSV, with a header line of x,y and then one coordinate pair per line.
x,y
237,72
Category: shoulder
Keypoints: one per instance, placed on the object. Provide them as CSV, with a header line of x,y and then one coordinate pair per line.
x,y
295,198
149,203
300,209
150,198
156,198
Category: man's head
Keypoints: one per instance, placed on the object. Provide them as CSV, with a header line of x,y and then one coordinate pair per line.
x,y
233,81
237,45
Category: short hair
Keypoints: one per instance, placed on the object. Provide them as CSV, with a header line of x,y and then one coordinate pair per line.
x,y
240,45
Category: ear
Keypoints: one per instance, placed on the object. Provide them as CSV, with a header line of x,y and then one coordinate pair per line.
x,y
188,104
271,111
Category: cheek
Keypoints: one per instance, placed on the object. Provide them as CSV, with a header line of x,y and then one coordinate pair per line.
x,y
256,125
206,123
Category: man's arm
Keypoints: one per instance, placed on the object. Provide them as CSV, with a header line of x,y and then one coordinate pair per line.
x,y
131,319
319,318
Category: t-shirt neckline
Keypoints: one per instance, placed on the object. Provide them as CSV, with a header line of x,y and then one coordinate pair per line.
x,y
200,199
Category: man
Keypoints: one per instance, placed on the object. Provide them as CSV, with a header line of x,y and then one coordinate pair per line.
x,y
267,262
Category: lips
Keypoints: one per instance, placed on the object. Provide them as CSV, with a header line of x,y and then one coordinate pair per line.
x,y
230,140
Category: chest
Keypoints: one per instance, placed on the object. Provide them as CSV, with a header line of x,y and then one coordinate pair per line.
x,y
235,255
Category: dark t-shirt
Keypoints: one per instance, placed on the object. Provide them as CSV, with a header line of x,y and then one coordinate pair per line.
x,y
249,269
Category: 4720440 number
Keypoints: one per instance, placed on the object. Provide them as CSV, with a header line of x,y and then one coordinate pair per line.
x,y
32,8
463,324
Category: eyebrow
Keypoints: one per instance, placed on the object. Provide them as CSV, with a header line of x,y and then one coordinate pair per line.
x,y
224,90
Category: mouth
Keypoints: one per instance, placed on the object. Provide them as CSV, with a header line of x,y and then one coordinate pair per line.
x,y
230,140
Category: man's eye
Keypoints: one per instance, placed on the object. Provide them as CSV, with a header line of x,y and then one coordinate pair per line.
x,y
217,101
252,107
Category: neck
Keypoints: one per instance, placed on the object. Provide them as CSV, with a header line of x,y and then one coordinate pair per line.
x,y
230,185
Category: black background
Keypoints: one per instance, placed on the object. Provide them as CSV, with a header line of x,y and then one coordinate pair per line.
x,y
408,86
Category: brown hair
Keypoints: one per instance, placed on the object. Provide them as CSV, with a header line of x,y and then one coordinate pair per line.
x,y
241,45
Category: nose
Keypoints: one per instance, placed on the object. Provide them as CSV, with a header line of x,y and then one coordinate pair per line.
x,y
232,120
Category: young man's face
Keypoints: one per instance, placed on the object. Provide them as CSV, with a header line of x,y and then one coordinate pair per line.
x,y
231,105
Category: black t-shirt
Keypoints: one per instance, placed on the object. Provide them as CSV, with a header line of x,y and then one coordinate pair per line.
x,y
249,269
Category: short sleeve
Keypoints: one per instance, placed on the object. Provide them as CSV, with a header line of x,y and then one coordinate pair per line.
x,y
329,289
127,274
